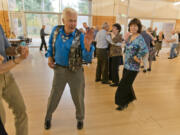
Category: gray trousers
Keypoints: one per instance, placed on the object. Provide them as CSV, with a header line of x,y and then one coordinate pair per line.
x,y
145,60
102,68
9,91
77,84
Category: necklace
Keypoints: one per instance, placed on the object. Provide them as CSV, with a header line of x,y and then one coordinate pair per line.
x,y
64,38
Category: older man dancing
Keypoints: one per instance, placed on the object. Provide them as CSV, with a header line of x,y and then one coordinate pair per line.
x,y
67,49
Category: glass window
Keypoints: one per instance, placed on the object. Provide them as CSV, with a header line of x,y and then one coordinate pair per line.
x,y
159,26
34,24
146,23
81,6
33,5
51,5
15,5
50,21
80,21
18,27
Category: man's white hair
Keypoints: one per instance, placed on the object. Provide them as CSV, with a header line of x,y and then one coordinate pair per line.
x,y
68,11
105,25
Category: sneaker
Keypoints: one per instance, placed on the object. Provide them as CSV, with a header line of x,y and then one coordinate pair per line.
x,y
149,69
144,70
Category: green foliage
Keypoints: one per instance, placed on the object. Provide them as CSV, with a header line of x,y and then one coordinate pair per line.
x,y
38,5
83,7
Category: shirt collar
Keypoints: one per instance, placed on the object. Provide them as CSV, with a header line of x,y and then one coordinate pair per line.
x,y
71,34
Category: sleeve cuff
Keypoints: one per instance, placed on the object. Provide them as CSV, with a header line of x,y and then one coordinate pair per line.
x,y
87,56
92,48
48,55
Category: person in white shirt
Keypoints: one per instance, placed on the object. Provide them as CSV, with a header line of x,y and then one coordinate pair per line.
x,y
174,44
102,55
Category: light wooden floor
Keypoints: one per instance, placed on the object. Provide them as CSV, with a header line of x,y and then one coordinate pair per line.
x,y
156,111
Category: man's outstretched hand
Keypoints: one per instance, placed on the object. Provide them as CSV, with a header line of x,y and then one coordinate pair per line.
x,y
88,38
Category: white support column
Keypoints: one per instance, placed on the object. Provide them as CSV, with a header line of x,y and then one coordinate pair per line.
x,y
152,22
90,12
4,5
127,16
24,23
59,19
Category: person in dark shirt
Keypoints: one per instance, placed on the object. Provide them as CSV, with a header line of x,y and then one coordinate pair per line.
x,y
178,48
42,35
159,40
154,32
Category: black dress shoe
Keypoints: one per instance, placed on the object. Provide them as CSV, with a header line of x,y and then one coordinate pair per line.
x,y
47,124
80,125
114,85
97,80
103,82
120,108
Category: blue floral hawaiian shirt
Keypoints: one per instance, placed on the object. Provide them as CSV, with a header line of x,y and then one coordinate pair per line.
x,y
137,48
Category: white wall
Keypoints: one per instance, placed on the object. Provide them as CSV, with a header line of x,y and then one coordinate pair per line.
x,y
154,9
104,7
138,8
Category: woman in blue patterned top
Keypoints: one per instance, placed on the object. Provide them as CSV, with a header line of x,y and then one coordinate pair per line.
x,y
135,49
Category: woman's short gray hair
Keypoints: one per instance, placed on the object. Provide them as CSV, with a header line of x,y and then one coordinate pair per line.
x,y
68,11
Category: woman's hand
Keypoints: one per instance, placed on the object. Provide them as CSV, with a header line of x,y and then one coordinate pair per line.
x,y
137,59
